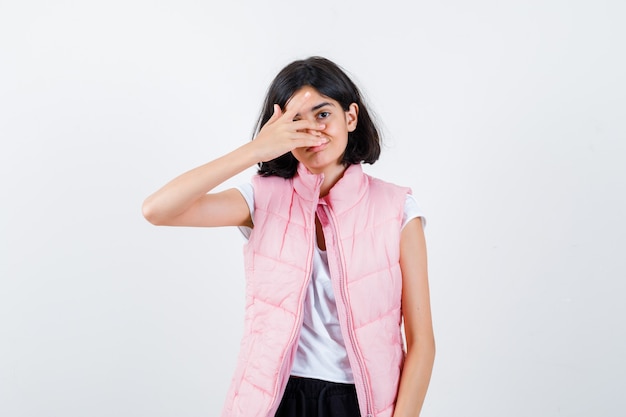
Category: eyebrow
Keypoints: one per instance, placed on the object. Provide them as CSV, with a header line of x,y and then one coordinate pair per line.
x,y
319,106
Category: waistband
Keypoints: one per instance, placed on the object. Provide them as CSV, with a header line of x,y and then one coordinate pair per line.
x,y
314,388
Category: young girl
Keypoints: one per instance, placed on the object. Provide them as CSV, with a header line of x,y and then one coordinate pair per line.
x,y
335,259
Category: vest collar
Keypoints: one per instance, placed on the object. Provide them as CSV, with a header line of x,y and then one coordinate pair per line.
x,y
342,196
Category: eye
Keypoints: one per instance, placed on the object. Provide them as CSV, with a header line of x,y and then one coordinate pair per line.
x,y
323,115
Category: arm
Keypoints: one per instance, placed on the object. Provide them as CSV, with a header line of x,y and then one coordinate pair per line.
x,y
186,201
417,322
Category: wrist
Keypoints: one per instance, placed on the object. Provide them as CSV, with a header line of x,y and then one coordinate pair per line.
x,y
249,152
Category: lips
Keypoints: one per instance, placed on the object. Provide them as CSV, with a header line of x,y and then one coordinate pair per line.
x,y
317,148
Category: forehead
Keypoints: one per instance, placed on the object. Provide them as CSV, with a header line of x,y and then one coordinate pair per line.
x,y
314,101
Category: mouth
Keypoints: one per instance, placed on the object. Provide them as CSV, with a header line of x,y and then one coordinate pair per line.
x,y
317,148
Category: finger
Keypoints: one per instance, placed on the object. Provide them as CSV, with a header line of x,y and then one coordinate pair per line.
x,y
276,115
302,140
304,143
295,104
307,125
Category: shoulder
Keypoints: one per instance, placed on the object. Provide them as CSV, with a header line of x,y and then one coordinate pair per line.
x,y
401,196
270,191
259,181
387,188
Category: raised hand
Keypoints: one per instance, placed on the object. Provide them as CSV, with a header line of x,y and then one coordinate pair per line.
x,y
184,200
282,134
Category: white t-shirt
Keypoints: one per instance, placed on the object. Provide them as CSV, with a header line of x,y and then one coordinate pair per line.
x,y
321,350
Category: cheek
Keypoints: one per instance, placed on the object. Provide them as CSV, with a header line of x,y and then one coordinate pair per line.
x,y
297,153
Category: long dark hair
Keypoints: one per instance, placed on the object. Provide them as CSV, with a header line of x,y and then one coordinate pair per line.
x,y
331,81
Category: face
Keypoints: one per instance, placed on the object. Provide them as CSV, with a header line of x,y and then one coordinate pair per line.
x,y
325,158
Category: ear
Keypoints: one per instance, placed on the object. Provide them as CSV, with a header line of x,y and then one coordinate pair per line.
x,y
352,116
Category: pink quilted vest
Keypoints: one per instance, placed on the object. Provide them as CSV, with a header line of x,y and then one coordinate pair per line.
x,y
361,218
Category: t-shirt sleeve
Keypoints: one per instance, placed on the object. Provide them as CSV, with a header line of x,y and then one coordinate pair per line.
x,y
412,210
247,191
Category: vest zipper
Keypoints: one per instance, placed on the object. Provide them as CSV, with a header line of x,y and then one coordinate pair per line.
x,y
281,382
348,313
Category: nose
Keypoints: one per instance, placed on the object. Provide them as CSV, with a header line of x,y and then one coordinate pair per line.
x,y
315,131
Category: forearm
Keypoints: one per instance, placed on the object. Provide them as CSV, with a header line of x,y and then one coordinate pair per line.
x,y
177,195
415,380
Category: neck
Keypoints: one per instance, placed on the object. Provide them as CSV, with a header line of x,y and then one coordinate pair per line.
x,y
331,176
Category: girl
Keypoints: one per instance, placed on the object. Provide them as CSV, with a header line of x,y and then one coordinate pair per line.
x,y
335,259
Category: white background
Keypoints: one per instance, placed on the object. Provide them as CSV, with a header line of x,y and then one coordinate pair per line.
x,y
507,118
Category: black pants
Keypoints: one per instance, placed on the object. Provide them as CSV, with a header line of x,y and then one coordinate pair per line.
x,y
307,397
